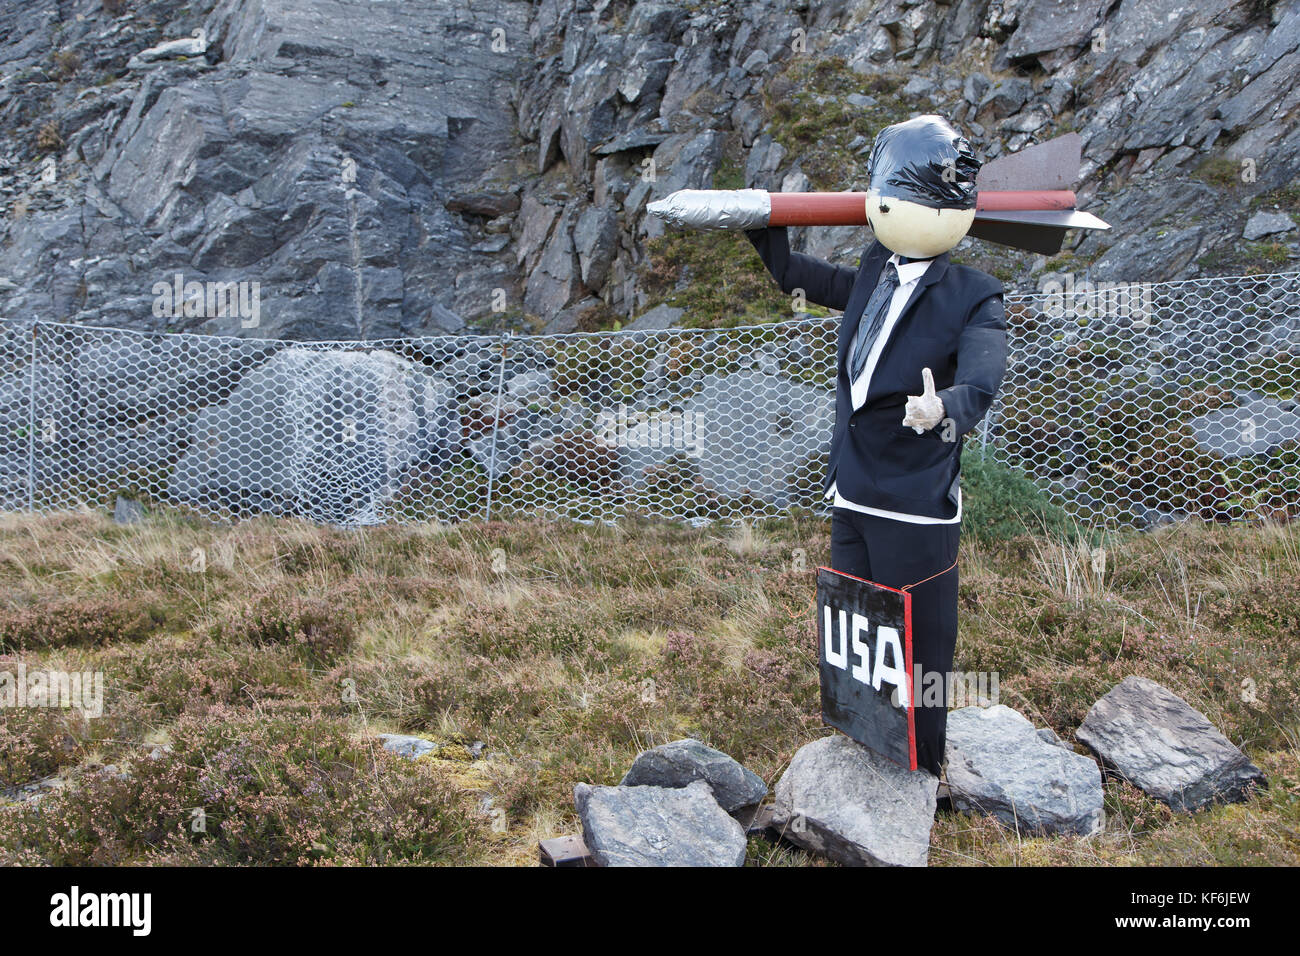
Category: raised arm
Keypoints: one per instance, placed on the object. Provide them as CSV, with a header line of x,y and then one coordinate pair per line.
x,y
981,363
822,283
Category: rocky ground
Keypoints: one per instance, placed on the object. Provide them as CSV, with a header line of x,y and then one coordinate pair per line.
x,y
406,167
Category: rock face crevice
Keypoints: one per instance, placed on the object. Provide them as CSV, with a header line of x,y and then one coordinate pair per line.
x,y
396,168
313,147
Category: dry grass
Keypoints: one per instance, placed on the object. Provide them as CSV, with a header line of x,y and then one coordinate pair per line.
x,y
567,649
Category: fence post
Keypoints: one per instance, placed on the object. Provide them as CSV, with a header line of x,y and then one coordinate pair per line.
x,y
496,418
31,425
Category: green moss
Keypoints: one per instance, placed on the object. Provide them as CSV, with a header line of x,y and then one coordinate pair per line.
x,y
730,174
1248,258
1286,198
1272,253
1220,171
808,112
717,277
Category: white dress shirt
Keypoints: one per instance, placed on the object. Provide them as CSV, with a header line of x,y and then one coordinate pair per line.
x,y
909,274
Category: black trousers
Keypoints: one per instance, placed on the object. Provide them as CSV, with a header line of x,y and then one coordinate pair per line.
x,y
897,553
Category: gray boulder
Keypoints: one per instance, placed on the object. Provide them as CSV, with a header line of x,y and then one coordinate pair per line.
x,y
555,282
1005,98
682,762
1166,748
1046,25
765,158
1000,765
406,745
1267,224
754,430
127,511
660,317
1255,428
595,238
322,434
845,802
658,826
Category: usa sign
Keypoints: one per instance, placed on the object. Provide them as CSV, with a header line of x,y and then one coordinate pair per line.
x,y
864,639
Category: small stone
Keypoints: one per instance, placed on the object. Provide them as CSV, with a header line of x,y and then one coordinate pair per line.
x,y
658,826
126,511
755,62
1000,765
1267,224
406,745
681,762
660,317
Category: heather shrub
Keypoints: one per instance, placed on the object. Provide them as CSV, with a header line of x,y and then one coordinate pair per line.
x,y
239,788
317,629
411,693
562,628
173,676
588,646
77,622
767,707
662,608
488,697
36,742
485,697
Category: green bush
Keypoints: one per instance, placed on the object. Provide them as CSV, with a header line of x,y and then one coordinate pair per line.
x,y
999,502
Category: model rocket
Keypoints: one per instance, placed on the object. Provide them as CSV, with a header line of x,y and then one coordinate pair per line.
x,y
1024,200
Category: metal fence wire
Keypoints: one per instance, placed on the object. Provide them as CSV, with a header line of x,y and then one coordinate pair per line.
x,y
1126,404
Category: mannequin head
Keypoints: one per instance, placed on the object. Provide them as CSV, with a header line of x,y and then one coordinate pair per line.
x,y
921,192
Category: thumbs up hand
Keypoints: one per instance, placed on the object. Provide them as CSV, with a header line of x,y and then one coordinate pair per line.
x,y
924,410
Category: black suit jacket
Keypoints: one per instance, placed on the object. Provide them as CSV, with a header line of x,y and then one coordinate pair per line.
x,y
953,324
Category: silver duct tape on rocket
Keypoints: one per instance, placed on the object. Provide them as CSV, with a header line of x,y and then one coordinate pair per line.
x,y
1032,220
715,208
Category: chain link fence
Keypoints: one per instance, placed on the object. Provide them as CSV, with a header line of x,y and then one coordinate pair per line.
x,y
1126,404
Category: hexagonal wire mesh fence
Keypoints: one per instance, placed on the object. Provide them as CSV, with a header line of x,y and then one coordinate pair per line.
x,y
1124,403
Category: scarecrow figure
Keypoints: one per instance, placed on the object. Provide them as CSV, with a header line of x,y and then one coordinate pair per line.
x,y
922,353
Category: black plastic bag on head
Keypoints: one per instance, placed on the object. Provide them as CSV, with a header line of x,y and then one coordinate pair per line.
x,y
926,161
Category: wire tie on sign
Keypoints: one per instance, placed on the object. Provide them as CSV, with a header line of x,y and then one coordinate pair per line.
x,y
908,587
812,605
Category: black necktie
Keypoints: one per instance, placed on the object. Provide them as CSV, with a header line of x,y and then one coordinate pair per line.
x,y
873,318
